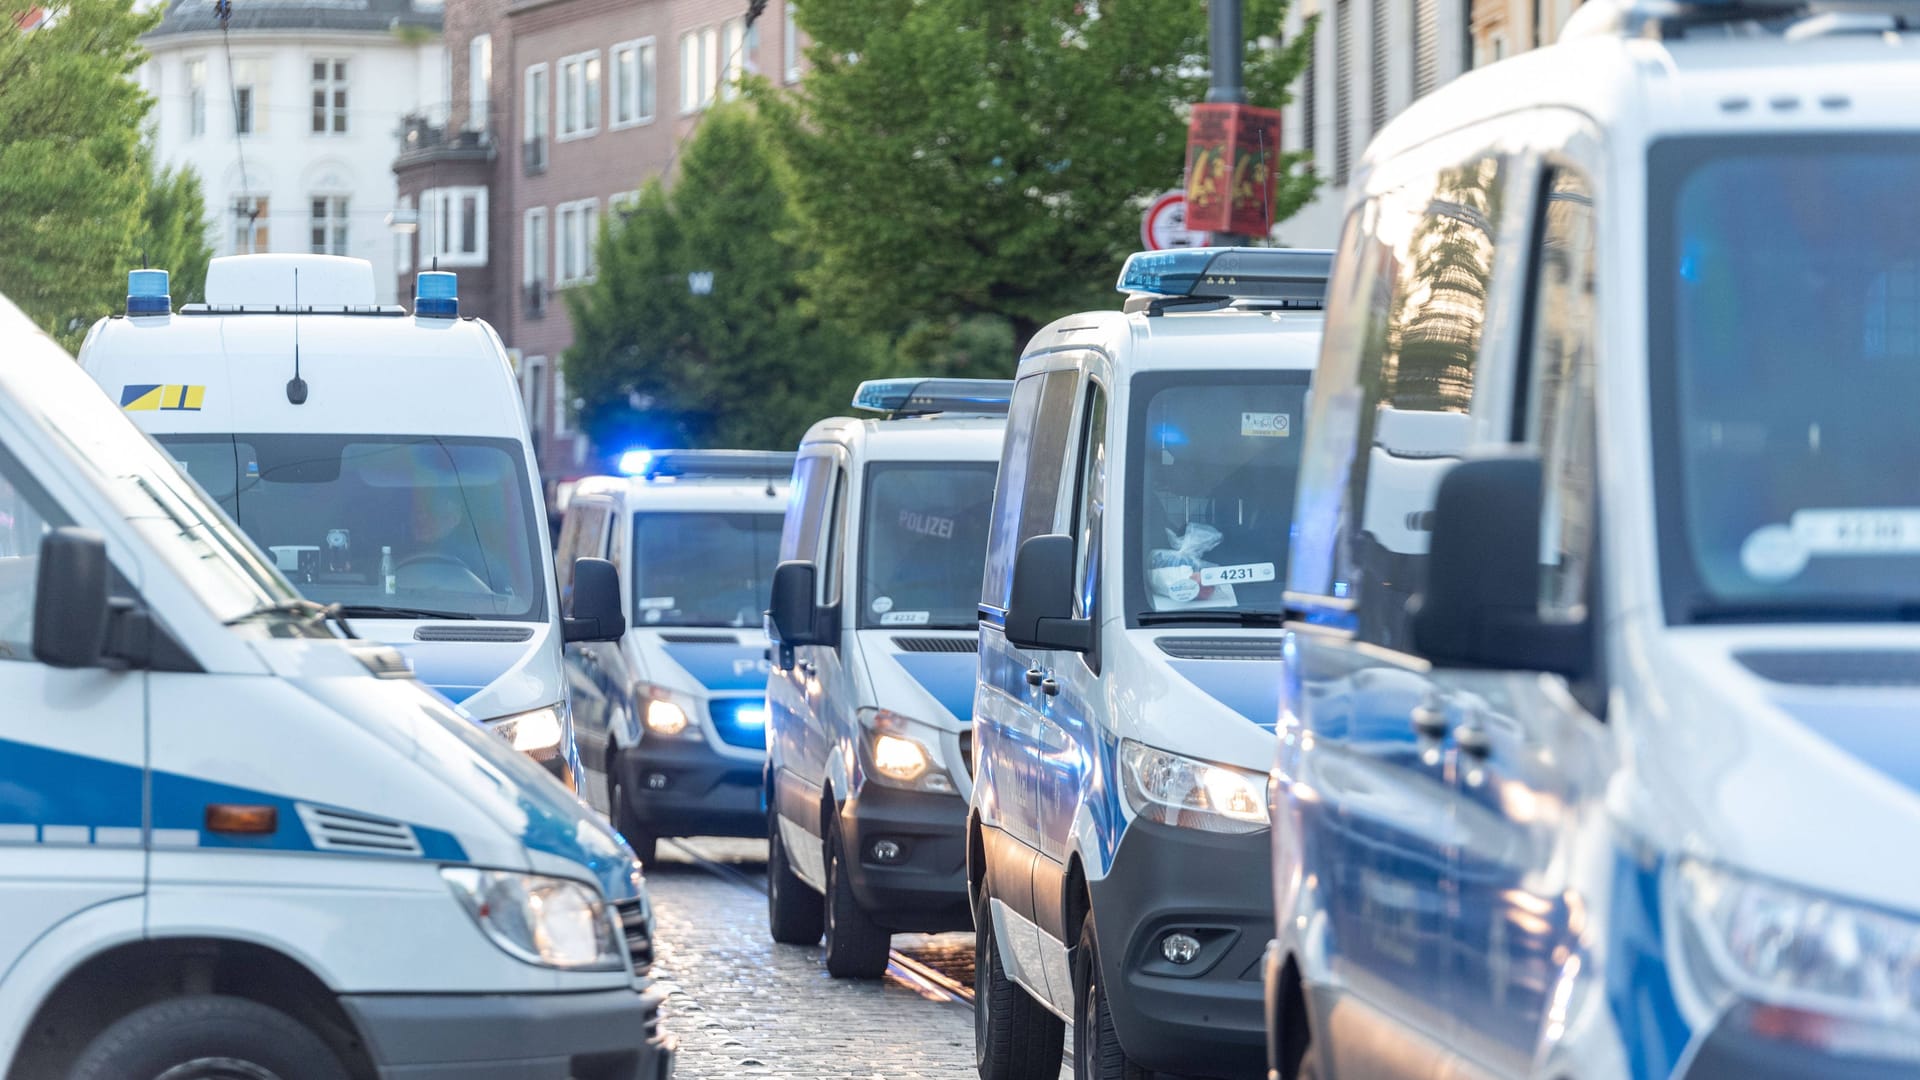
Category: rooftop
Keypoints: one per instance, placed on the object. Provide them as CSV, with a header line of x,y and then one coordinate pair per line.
x,y
197,16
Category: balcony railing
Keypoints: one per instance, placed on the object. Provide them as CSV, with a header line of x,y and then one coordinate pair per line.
x,y
536,299
431,131
533,155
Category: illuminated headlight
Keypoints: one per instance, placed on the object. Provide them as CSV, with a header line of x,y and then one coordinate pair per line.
x,y
665,717
666,714
1176,790
1777,945
548,921
897,752
536,734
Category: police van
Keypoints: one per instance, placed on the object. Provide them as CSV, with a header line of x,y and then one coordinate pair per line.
x,y
1128,679
234,845
672,718
1627,788
871,698
381,457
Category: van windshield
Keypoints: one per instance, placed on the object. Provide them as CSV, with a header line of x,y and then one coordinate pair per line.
x,y
388,526
698,569
924,545
1213,460
1785,361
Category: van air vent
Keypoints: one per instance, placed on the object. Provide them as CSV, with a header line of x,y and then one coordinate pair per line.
x,y
1880,667
1202,648
358,834
937,644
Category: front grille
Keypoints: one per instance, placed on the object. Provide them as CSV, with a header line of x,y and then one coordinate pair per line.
x,y
672,638
340,830
966,750
636,922
472,633
1201,648
937,644
740,722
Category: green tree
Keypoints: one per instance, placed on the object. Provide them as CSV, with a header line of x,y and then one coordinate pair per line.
x,y
173,234
72,179
963,157
748,364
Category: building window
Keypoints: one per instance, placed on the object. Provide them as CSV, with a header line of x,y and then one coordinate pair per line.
x,y
736,49
579,95
534,121
196,97
533,268
562,404
633,82
1426,47
403,241
699,68
480,82
329,224
534,394
790,43
579,229
249,224
329,97
453,226
250,112
620,204
1342,89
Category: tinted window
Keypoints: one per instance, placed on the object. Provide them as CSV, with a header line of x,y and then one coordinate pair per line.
x,y
1039,427
806,506
26,515
925,543
703,569
1089,515
1561,398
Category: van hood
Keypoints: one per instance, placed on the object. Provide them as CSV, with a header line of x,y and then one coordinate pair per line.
x,y
1203,692
702,663
1792,753
488,669
928,675
496,785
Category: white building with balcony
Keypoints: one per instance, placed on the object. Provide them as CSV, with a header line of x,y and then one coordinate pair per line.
x,y
288,114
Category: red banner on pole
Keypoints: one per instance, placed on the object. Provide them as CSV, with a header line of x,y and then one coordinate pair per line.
x,y
1233,160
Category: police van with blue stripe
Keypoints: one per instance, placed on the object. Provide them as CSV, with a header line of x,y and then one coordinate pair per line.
x,y
1128,672
382,457
672,718
871,697
233,844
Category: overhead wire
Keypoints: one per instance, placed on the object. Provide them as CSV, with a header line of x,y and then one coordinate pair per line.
x,y
224,10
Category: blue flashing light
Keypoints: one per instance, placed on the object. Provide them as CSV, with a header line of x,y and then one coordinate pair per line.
x,y
921,397
636,462
436,294
754,716
1292,276
147,293
1165,273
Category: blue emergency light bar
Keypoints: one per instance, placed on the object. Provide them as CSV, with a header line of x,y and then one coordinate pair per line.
x,y
707,464
436,295
1294,276
923,397
147,293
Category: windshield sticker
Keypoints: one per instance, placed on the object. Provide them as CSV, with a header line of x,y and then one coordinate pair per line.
x,y
656,603
1226,575
652,616
904,618
1779,552
914,521
1272,425
882,605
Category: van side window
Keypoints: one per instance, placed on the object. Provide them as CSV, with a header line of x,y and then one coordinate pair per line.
x,y
583,536
1039,427
806,505
1561,422
1089,501
836,552
26,514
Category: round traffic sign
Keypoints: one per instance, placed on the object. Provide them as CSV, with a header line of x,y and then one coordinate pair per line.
x,y
1164,225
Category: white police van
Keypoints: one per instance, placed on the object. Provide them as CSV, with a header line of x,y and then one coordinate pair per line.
x,y
871,699
1625,790
1128,679
232,845
382,458
672,718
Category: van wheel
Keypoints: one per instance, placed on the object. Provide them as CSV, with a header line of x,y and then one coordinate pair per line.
x,y
1014,1038
795,913
207,1038
856,947
645,844
1097,1054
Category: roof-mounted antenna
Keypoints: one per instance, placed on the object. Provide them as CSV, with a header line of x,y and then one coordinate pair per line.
x,y
296,386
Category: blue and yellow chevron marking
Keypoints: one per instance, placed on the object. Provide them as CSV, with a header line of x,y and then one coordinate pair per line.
x,y
161,397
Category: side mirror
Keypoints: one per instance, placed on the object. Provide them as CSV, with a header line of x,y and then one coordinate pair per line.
x,y
796,617
1040,612
1481,604
593,611
70,606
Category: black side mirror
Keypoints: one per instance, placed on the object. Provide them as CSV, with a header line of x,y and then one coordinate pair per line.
x,y
1040,612
1481,604
70,607
796,617
593,611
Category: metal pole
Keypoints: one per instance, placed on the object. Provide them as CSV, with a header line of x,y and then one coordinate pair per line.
x,y
1225,43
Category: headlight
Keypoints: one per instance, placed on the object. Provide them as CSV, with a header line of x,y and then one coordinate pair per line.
x,y
1778,945
666,715
542,920
536,734
1175,790
897,753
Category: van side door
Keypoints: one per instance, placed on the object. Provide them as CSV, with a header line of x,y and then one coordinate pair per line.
x,y
593,686
795,757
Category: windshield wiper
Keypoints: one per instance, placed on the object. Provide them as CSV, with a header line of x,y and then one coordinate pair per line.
x,y
302,610
1225,617
381,611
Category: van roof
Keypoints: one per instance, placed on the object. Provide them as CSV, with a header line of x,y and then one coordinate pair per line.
x,y
940,437
365,375
1197,340
734,493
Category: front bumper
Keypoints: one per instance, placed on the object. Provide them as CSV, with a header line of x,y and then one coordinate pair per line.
x,y
606,1034
924,888
1737,1047
703,792
1203,1018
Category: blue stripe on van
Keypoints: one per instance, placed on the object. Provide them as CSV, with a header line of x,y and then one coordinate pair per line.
x,y
723,667
949,677
1248,687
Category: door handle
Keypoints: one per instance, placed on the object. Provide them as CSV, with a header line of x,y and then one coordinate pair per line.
x,y
1429,720
1050,687
1473,741
1034,676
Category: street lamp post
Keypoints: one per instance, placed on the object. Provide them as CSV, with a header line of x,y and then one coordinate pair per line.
x,y
1225,44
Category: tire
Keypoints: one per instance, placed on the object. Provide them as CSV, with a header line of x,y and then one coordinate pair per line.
x,y
796,914
1097,1054
644,843
857,947
207,1038
1014,1036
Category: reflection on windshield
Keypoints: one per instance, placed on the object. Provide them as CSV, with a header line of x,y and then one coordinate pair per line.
x,y
1215,458
703,569
429,526
925,544
1790,333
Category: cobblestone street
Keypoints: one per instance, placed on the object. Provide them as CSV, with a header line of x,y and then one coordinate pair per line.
x,y
743,1006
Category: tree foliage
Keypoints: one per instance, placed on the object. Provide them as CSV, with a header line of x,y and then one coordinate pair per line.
x,y
748,365
173,234
964,157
